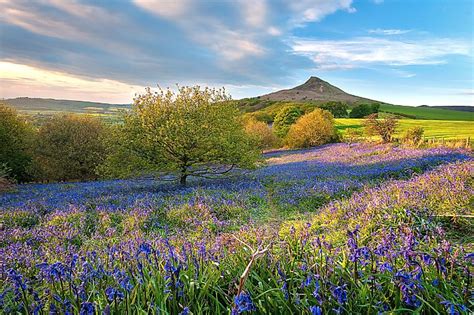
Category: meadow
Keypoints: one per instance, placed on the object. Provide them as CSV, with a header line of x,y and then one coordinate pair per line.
x,y
438,129
340,228
429,113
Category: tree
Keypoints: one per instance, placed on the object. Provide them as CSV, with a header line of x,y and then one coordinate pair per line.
x,y
385,128
193,132
363,110
337,109
285,118
70,147
261,133
15,142
312,129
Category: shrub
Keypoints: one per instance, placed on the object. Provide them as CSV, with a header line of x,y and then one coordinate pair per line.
x,y
286,117
5,183
353,135
414,136
363,110
15,141
385,128
70,147
261,133
312,129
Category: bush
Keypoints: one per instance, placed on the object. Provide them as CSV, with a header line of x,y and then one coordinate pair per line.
x,y
286,117
414,136
70,147
363,110
15,141
353,135
385,128
5,183
261,133
312,129
337,109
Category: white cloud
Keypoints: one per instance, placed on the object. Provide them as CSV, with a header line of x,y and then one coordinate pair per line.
x,y
274,31
33,81
365,51
254,12
380,31
230,43
315,10
165,8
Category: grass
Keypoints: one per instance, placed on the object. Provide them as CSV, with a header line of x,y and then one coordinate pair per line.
x,y
428,112
447,129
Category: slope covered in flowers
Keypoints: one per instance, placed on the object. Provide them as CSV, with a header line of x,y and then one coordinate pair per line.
x,y
342,229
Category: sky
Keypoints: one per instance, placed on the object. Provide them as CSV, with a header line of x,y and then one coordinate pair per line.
x,y
403,52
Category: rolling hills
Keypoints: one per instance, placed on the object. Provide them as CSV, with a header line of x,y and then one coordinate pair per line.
x,y
307,96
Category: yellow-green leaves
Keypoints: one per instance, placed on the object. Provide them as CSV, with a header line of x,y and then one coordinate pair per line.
x,y
191,132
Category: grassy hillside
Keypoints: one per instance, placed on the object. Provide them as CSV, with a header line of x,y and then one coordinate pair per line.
x,y
266,110
46,106
428,112
448,129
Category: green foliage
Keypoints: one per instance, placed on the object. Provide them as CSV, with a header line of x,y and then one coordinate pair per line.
x,y
15,140
285,118
312,129
413,136
337,109
69,147
430,113
363,110
385,128
261,133
194,132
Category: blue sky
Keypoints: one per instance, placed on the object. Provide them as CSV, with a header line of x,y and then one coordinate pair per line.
x,y
404,52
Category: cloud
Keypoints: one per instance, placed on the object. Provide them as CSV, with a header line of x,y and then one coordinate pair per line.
x,y
32,81
380,31
254,12
364,51
315,10
466,92
168,9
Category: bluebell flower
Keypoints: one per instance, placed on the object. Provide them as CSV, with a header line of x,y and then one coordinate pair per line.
x,y
87,308
243,303
113,294
315,310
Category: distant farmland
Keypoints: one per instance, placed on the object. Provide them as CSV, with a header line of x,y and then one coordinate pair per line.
x,y
428,112
448,129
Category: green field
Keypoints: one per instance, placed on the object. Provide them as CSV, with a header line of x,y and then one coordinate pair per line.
x,y
447,129
427,112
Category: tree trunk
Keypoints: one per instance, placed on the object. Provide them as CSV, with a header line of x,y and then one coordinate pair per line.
x,y
182,179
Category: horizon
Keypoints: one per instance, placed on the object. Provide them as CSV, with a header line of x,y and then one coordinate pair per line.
x,y
372,49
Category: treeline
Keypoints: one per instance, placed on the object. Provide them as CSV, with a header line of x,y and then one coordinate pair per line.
x,y
266,111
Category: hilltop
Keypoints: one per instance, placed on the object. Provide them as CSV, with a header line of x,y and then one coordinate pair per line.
x,y
315,89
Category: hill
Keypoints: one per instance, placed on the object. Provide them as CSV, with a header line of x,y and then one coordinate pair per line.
x,y
428,112
314,89
49,106
452,107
